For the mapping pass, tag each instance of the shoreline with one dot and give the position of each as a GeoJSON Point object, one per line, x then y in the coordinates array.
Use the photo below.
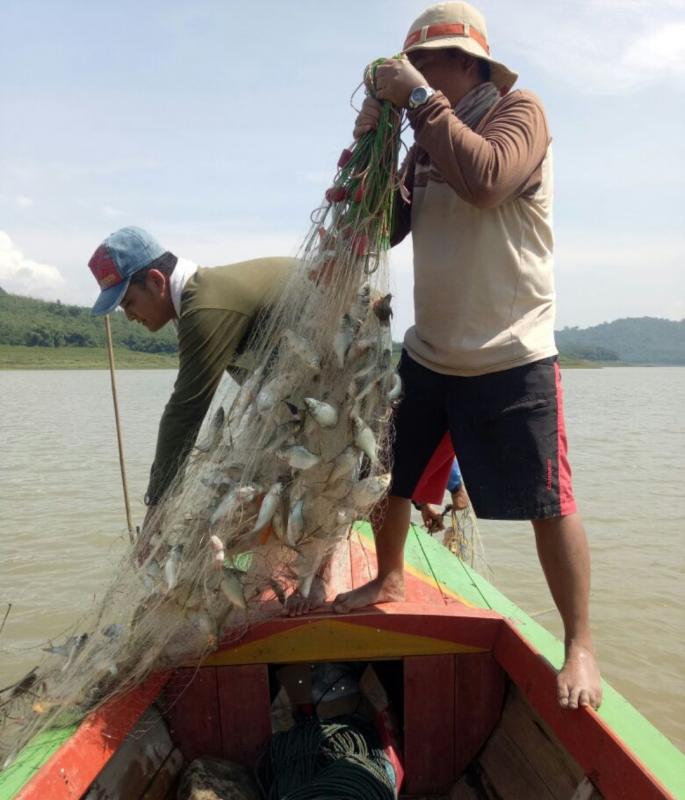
{"type": "Point", "coordinates": [17, 357]}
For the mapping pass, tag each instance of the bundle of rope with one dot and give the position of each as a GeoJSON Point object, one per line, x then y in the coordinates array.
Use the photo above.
{"type": "Point", "coordinates": [315, 760]}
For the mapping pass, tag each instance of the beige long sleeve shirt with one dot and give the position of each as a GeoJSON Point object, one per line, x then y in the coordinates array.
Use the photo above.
{"type": "Point", "coordinates": [481, 224]}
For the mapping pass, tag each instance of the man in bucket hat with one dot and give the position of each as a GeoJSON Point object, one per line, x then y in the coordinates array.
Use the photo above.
{"type": "Point", "coordinates": [481, 362]}
{"type": "Point", "coordinates": [214, 310]}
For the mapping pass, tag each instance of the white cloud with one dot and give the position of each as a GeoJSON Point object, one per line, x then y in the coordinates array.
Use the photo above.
{"type": "Point", "coordinates": [23, 201]}
{"type": "Point", "coordinates": [21, 275]}
{"type": "Point", "coordinates": [111, 212]}
{"type": "Point", "coordinates": [601, 46]}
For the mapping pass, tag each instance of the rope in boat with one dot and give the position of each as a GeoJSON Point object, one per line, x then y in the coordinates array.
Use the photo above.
{"type": "Point", "coordinates": [317, 759]}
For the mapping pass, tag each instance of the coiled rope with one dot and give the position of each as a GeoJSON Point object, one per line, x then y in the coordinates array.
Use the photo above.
{"type": "Point", "coordinates": [334, 760]}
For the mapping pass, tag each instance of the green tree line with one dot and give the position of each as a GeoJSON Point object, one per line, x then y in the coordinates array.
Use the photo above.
{"type": "Point", "coordinates": [38, 323]}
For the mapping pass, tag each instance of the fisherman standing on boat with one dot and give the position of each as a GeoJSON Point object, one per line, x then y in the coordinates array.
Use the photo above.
{"type": "Point", "coordinates": [481, 361]}
{"type": "Point", "coordinates": [215, 312]}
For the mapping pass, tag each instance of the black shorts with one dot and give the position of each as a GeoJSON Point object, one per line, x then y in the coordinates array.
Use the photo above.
{"type": "Point", "coordinates": [506, 428]}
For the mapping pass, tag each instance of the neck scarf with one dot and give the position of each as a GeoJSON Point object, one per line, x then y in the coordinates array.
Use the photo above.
{"type": "Point", "coordinates": [475, 104]}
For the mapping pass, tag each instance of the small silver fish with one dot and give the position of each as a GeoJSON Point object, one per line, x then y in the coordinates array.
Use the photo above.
{"type": "Point", "coordinates": [303, 349]}
{"type": "Point", "coordinates": [232, 588]}
{"type": "Point", "coordinates": [153, 574]}
{"type": "Point", "coordinates": [344, 464]}
{"type": "Point", "coordinates": [343, 339]}
{"type": "Point", "coordinates": [246, 394]}
{"type": "Point", "coordinates": [361, 307]}
{"type": "Point", "coordinates": [325, 414]}
{"type": "Point", "coordinates": [230, 503]}
{"type": "Point", "coordinates": [268, 507]}
{"type": "Point", "coordinates": [369, 491]}
{"type": "Point", "coordinates": [364, 438]}
{"type": "Point", "coordinates": [308, 562]}
{"type": "Point", "coordinates": [274, 391]}
{"type": "Point", "coordinates": [295, 524]}
{"type": "Point", "coordinates": [171, 566]}
{"type": "Point", "coordinates": [72, 646]}
{"type": "Point", "coordinates": [395, 387]}
{"type": "Point", "coordinates": [214, 434]}
{"type": "Point", "coordinates": [298, 457]}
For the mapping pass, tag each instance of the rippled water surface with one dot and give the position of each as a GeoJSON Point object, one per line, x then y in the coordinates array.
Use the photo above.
{"type": "Point", "coordinates": [62, 523]}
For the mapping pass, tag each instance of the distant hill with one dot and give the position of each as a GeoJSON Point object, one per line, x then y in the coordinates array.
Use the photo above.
{"type": "Point", "coordinates": [38, 323]}
{"type": "Point", "coordinates": [633, 340]}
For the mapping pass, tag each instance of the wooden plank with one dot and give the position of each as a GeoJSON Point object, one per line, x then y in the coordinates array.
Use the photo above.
{"type": "Point", "coordinates": [604, 758]}
{"type": "Point", "coordinates": [560, 773]}
{"type": "Point", "coordinates": [479, 696]}
{"type": "Point", "coordinates": [140, 756]}
{"type": "Point", "coordinates": [509, 773]}
{"type": "Point", "coordinates": [244, 711]}
{"type": "Point", "coordinates": [192, 710]}
{"type": "Point", "coordinates": [71, 769]}
{"type": "Point", "coordinates": [165, 779]}
{"type": "Point", "coordinates": [429, 724]}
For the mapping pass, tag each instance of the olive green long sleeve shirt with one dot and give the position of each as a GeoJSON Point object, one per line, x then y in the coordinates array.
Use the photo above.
{"type": "Point", "coordinates": [220, 308]}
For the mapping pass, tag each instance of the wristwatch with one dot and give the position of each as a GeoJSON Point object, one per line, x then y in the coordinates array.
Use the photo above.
{"type": "Point", "coordinates": [419, 96]}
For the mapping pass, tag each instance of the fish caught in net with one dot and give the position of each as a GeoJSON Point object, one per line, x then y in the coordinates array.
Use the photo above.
{"type": "Point", "coordinates": [288, 465]}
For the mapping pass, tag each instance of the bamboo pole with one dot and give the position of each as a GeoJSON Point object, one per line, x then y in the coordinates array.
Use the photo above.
{"type": "Point", "coordinates": [120, 442]}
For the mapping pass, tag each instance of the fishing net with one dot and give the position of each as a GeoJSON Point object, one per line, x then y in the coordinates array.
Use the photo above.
{"type": "Point", "coordinates": [289, 463]}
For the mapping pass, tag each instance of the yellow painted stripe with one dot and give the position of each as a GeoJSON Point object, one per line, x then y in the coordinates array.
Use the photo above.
{"type": "Point", "coordinates": [334, 640]}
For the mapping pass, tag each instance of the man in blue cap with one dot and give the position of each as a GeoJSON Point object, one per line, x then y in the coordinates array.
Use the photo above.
{"type": "Point", "coordinates": [215, 311]}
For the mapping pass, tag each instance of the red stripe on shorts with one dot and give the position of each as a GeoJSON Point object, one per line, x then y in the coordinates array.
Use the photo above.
{"type": "Point", "coordinates": [432, 484]}
{"type": "Point", "coordinates": [567, 503]}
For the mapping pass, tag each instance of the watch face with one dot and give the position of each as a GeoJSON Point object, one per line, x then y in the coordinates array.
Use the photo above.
{"type": "Point", "coordinates": [419, 95]}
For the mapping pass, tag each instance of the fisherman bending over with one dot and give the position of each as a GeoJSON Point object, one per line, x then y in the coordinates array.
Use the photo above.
{"type": "Point", "coordinates": [215, 312]}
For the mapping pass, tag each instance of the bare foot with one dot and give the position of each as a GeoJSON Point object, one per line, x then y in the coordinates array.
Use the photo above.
{"type": "Point", "coordinates": [296, 605]}
{"type": "Point", "coordinates": [578, 682]}
{"type": "Point", "coordinates": [388, 590]}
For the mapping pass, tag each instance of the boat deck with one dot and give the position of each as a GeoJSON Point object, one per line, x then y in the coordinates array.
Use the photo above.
{"type": "Point", "coordinates": [478, 695]}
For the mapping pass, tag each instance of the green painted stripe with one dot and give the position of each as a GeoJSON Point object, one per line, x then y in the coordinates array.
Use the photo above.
{"type": "Point", "coordinates": [31, 759]}
{"type": "Point", "coordinates": [648, 744]}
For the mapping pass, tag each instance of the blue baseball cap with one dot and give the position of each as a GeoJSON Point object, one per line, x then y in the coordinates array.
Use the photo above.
{"type": "Point", "coordinates": [121, 255]}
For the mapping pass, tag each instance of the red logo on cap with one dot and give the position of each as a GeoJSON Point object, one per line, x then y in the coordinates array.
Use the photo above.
{"type": "Point", "coordinates": [104, 269]}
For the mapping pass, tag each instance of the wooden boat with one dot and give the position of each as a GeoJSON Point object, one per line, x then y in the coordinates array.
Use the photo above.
{"type": "Point", "coordinates": [474, 684]}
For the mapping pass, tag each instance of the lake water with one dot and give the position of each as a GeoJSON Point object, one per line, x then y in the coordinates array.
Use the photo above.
{"type": "Point", "coordinates": [63, 527]}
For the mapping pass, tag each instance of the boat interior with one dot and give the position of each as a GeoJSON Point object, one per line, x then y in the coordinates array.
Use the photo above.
{"type": "Point", "coordinates": [459, 700]}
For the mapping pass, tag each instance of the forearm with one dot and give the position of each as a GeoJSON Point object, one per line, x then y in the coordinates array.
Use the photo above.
{"type": "Point", "coordinates": [207, 342]}
{"type": "Point", "coordinates": [177, 433]}
{"type": "Point", "coordinates": [489, 167]}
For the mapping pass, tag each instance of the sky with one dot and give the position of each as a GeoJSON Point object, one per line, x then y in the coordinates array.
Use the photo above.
{"type": "Point", "coordinates": [217, 125]}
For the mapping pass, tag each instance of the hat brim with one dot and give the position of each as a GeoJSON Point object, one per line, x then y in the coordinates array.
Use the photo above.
{"type": "Point", "coordinates": [500, 75]}
{"type": "Point", "coordinates": [110, 298]}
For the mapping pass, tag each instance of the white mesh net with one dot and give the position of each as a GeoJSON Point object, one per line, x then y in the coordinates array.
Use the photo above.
{"type": "Point", "coordinates": [289, 464]}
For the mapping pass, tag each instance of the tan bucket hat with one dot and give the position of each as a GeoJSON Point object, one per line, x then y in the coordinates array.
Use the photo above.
{"type": "Point", "coordinates": [457, 25]}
